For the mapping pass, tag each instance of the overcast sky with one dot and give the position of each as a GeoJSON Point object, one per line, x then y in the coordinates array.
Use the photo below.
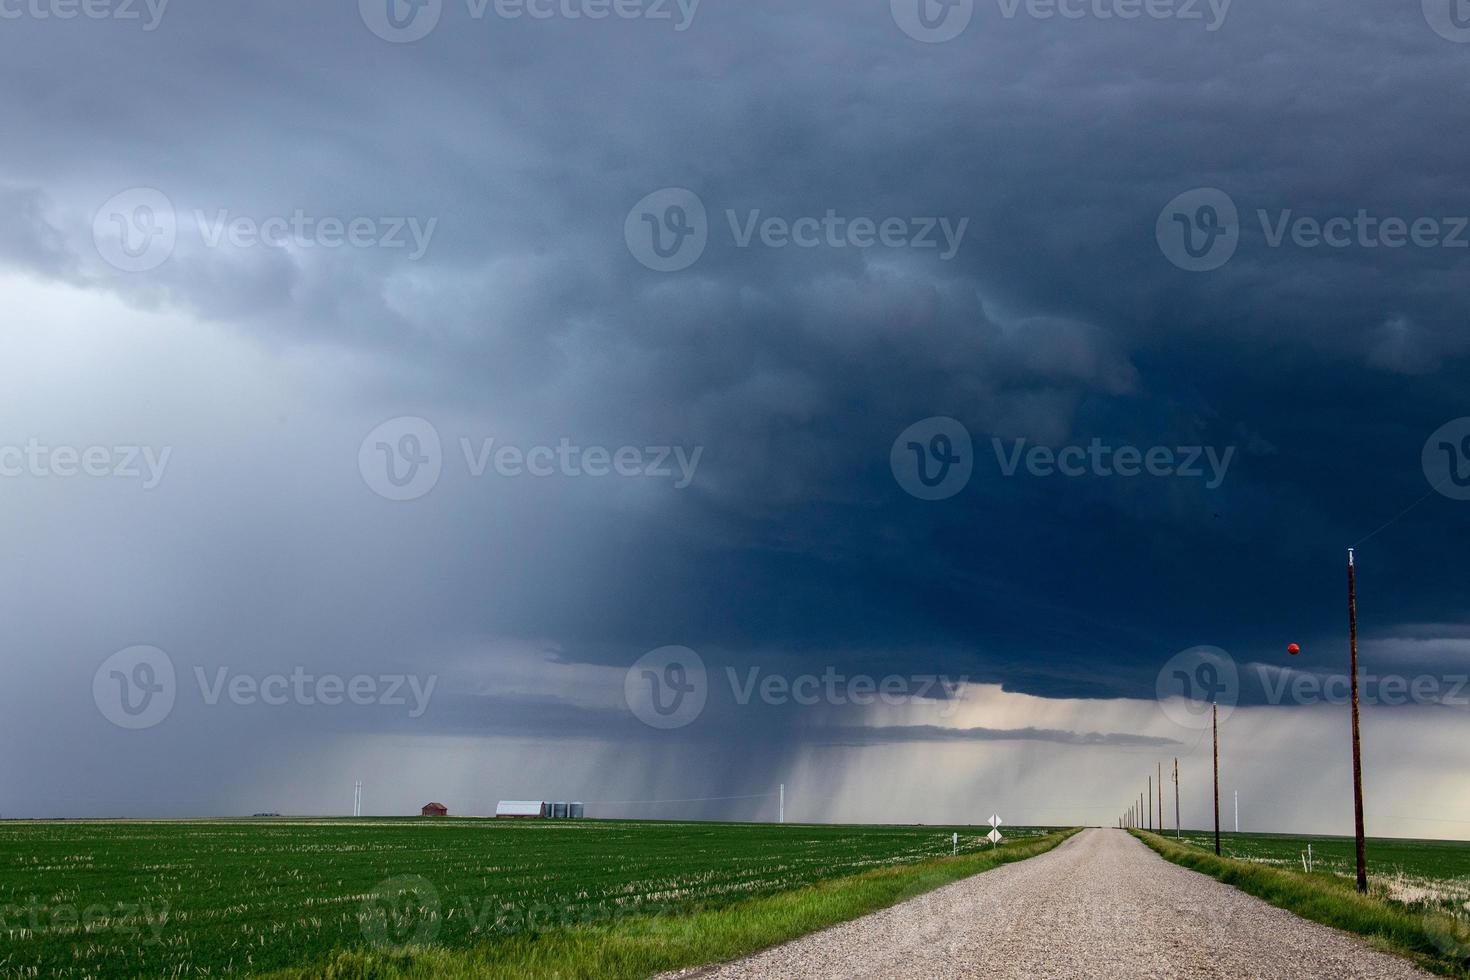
{"type": "Point", "coordinates": [380, 382]}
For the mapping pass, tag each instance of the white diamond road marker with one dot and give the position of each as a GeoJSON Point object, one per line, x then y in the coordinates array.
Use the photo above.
{"type": "Point", "coordinates": [993, 836]}
{"type": "Point", "coordinates": [995, 821]}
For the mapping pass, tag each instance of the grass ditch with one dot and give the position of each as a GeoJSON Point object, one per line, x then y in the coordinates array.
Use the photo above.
{"type": "Point", "coordinates": [1430, 937]}
{"type": "Point", "coordinates": [643, 946]}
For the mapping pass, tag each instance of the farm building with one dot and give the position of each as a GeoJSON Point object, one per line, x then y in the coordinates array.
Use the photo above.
{"type": "Point", "coordinates": [434, 810]}
{"type": "Point", "coordinates": [538, 809]}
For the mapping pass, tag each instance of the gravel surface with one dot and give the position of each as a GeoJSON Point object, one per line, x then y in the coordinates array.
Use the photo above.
{"type": "Point", "coordinates": [1100, 905]}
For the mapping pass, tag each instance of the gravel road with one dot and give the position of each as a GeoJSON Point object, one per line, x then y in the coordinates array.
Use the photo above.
{"type": "Point", "coordinates": [1100, 905]}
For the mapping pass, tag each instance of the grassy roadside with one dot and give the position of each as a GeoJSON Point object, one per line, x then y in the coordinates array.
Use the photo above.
{"type": "Point", "coordinates": [643, 946]}
{"type": "Point", "coordinates": [1432, 939]}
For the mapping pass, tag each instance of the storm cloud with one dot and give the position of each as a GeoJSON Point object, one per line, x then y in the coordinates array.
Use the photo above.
{"type": "Point", "coordinates": [358, 228]}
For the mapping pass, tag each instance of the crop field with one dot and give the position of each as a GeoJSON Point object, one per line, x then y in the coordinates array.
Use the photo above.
{"type": "Point", "coordinates": [219, 898]}
{"type": "Point", "coordinates": [1423, 873]}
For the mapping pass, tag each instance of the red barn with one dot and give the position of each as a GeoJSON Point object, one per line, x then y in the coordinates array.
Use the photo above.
{"type": "Point", "coordinates": [434, 810]}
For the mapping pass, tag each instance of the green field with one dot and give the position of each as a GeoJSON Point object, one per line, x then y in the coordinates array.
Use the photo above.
{"type": "Point", "coordinates": [156, 899]}
{"type": "Point", "coordinates": [1420, 873]}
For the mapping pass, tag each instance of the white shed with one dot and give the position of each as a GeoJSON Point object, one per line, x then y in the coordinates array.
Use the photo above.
{"type": "Point", "coordinates": [522, 808]}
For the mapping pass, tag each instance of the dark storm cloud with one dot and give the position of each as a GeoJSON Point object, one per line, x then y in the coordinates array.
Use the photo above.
{"type": "Point", "coordinates": [1059, 320]}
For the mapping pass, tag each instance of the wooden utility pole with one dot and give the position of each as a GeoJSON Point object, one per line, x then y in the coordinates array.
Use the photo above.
{"type": "Point", "coordinates": [1215, 727]}
{"type": "Point", "coordinates": [1357, 741]}
{"type": "Point", "coordinates": [1161, 797]}
{"type": "Point", "coordinates": [1178, 827]}
{"type": "Point", "coordinates": [1150, 798]}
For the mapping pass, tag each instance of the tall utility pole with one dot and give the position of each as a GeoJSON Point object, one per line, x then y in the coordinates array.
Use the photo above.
{"type": "Point", "coordinates": [1161, 797]}
{"type": "Point", "coordinates": [1150, 798]}
{"type": "Point", "coordinates": [781, 813]}
{"type": "Point", "coordinates": [1237, 811]}
{"type": "Point", "coordinates": [1178, 827]}
{"type": "Point", "coordinates": [1215, 727]}
{"type": "Point", "coordinates": [1357, 740]}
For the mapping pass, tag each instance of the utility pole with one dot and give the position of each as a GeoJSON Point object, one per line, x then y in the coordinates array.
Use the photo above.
{"type": "Point", "coordinates": [1150, 799]}
{"type": "Point", "coordinates": [1161, 797]}
{"type": "Point", "coordinates": [1357, 740]}
{"type": "Point", "coordinates": [781, 812]}
{"type": "Point", "coordinates": [1178, 826]}
{"type": "Point", "coordinates": [1237, 811]}
{"type": "Point", "coordinates": [1215, 727]}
